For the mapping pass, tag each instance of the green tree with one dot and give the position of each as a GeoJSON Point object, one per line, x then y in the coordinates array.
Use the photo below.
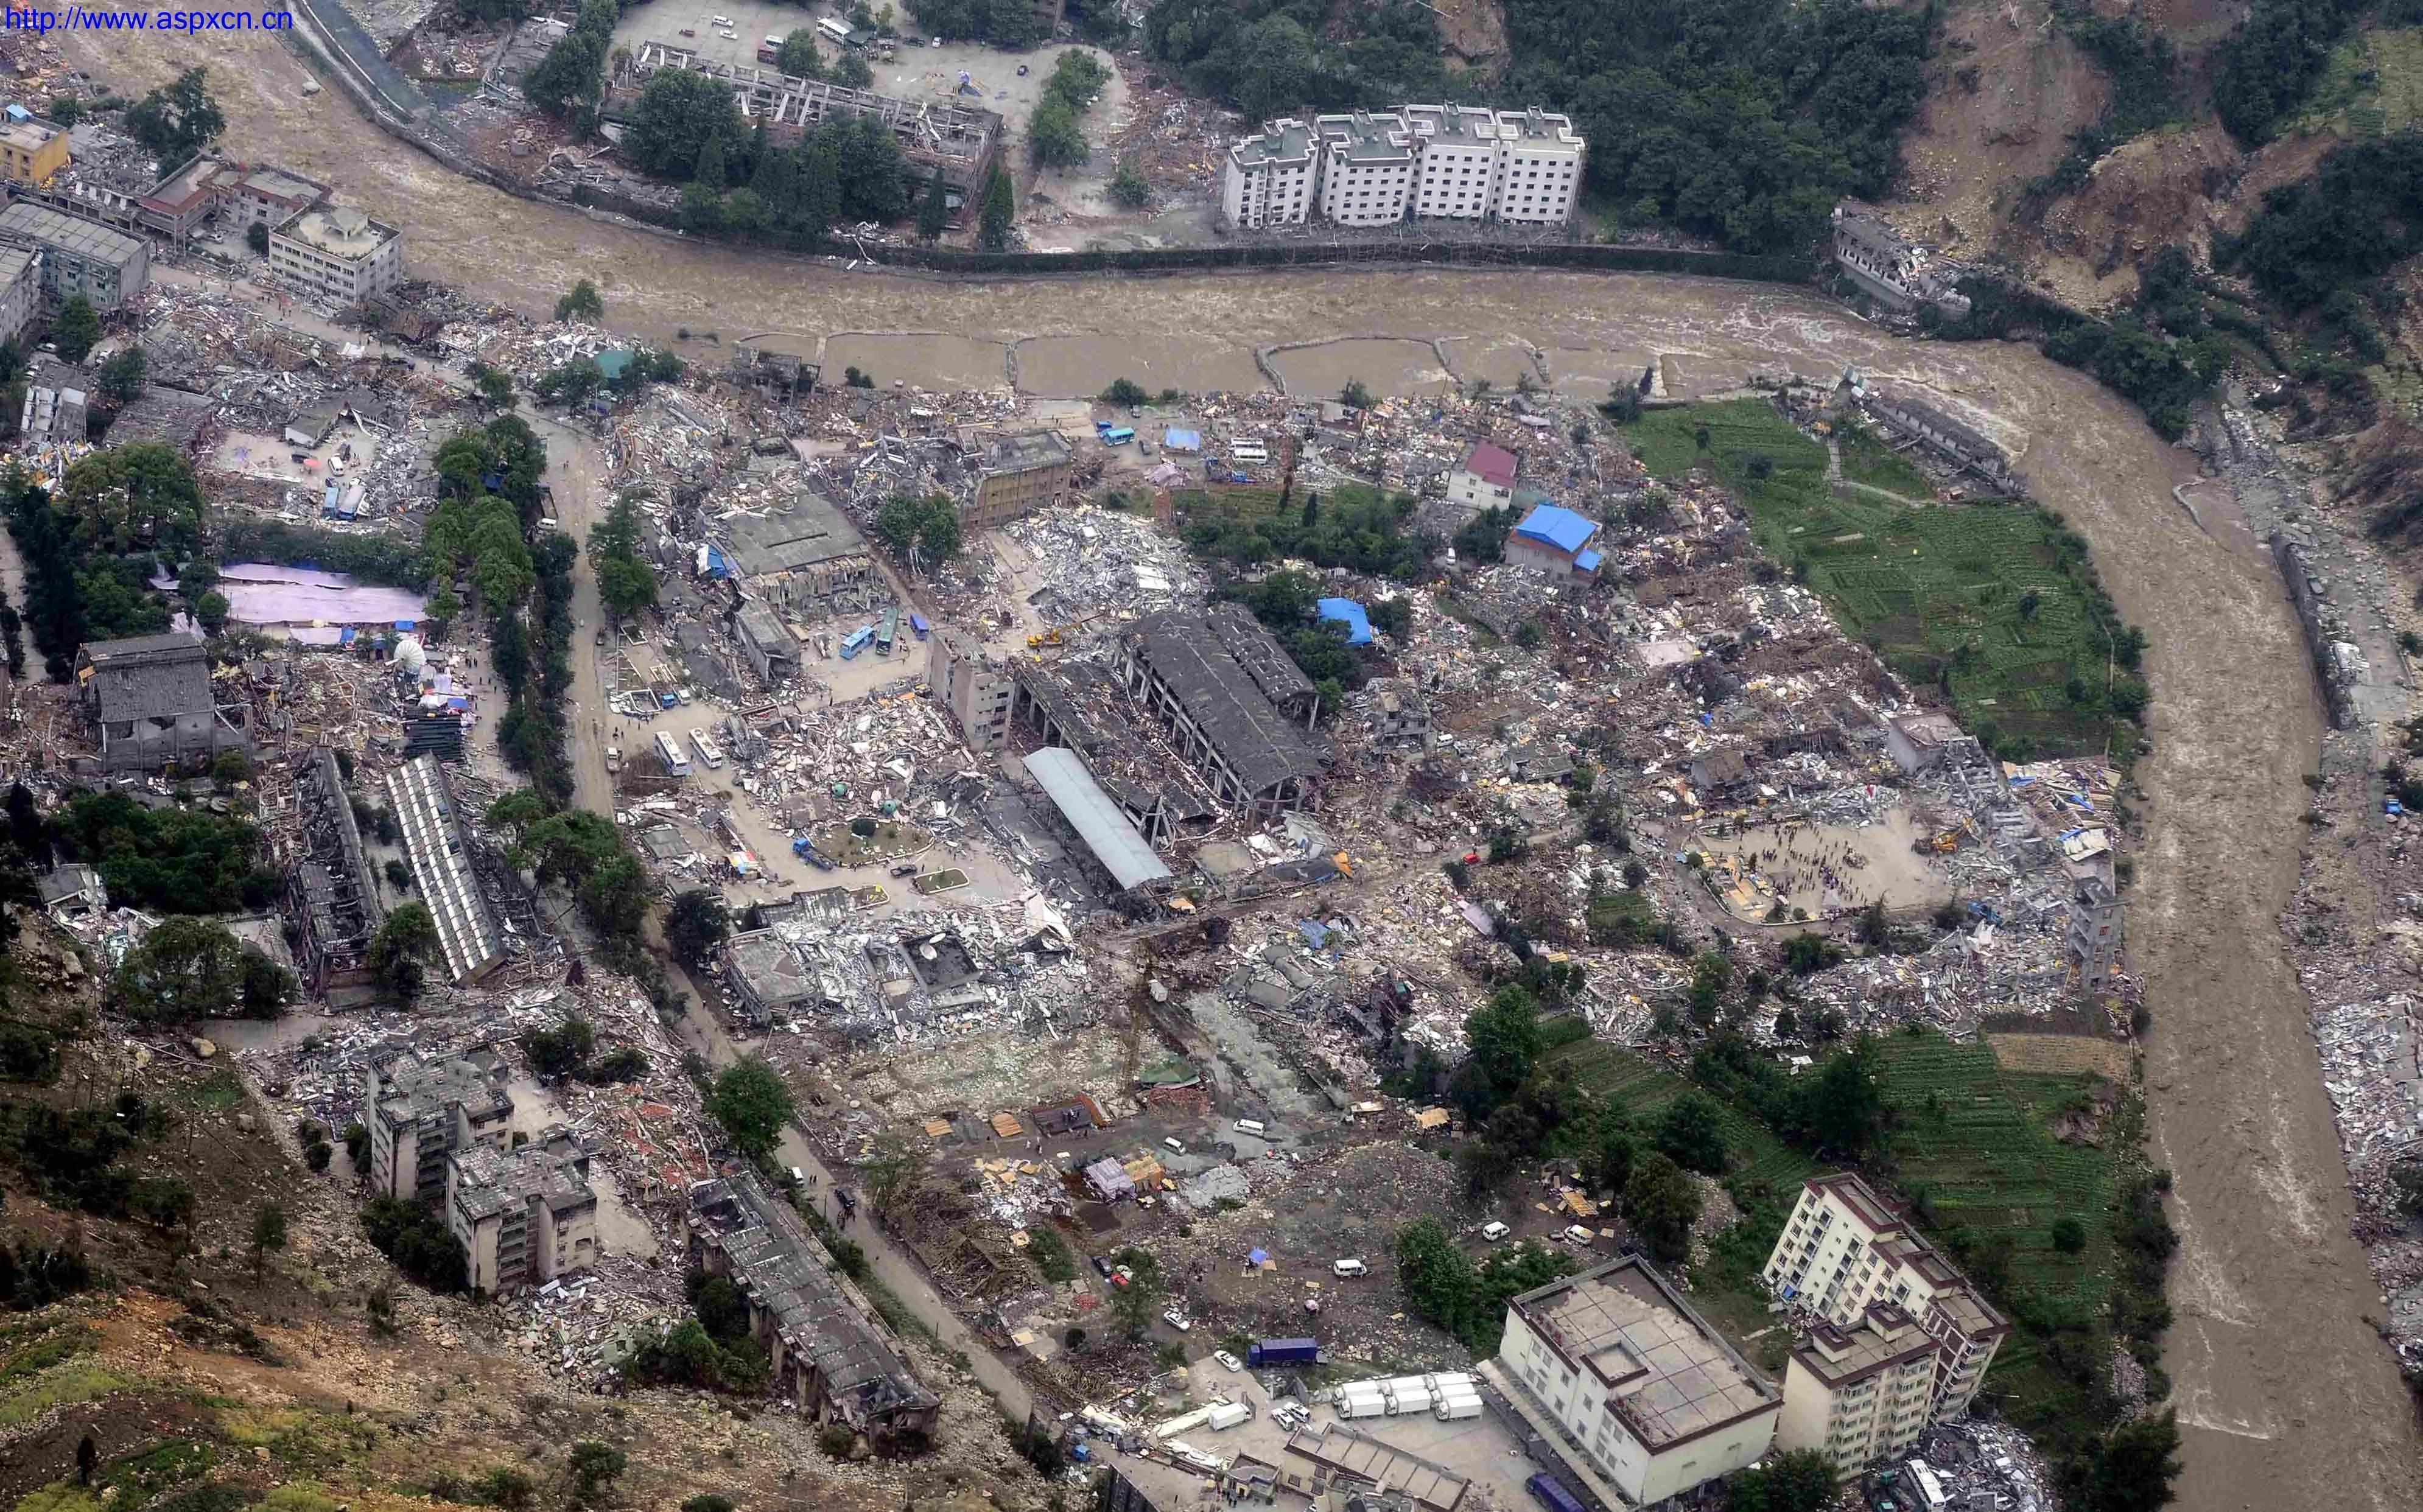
{"type": "Point", "coordinates": [892, 1171]}
{"type": "Point", "coordinates": [933, 211]}
{"type": "Point", "coordinates": [797, 55]}
{"type": "Point", "coordinates": [268, 1232]}
{"type": "Point", "coordinates": [1355, 396]}
{"type": "Point", "coordinates": [695, 924]}
{"type": "Point", "coordinates": [1841, 1106]}
{"type": "Point", "coordinates": [1794, 1480]}
{"type": "Point", "coordinates": [596, 1468]}
{"type": "Point", "coordinates": [1691, 1134]}
{"type": "Point", "coordinates": [255, 236]}
{"type": "Point", "coordinates": [494, 384]}
{"type": "Point", "coordinates": [177, 121]}
{"type": "Point", "coordinates": [561, 1052]}
{"type": "Point", "coordinates": [1661, 1205]}
{"type": "Point", "coordinates": [405, 941]}
{"type": "Point", "coordinates": [1128, 189]}
{"type": "Point", "coordinates": [121, 377]}
{"type": "Point", "coordinates": [752, 1104]}
{"type": "Point", "coordinates": [188, 969]}
{"type": "Point", "coordinates": [570, 79]}
{"type": "Point", "coordinates": [76, 329]}
{"type": "Point", "coordinates": [141, 497]}
{"type": "Point", "coordinates": [626, 583]}
{"type": "Point", "coordinates": [997, 213]}
{"type": "Point", "coordinates": [678, 114]}
{"type": "Point", "coordinates": [1437, 1277]}
{"type": "Point", "coordinates": [1054, 136]}
{"type": "Point", "coordinates": [2133, 1467]}
{"type": "Point", "coordinates": [582, 303]}
{"type": "Point", "coordinates": [1506, 1038]}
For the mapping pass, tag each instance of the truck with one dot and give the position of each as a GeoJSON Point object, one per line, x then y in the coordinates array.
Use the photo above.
{"type": "Point", "coordinates": [1456, 1409]}
{"type": "Point", "coordinates": [670, 752]}
{"type": "Point", "coordinates": [858, 642]}
{"type": "Point", "coordinates": [1361, 1399]}
{"type": "Point", "coordinates": [1550, 1492]}
{"type": "Point", "coordinates": [1229, 1415]}
{"type": "Point", "coordinates": [1406, 1395]}
{"type": "Point", "coordinates": [1283, 1352]}
{"type": "Point", "coordinates": [805, 849]}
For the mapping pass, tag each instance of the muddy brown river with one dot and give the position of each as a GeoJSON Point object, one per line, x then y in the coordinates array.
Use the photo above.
{"type": "Point", "coordinates": [2285, 1397]}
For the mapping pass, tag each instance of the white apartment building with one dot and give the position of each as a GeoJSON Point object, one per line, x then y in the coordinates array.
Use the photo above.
{"type": "Point", "coordinates": [1269, 178]}
{"type": "Point", "coordinates": [1539, 168]}
{"type": "Point", "coordinates": [339, 254]}
{"type": "Point", "coordinates": [1847, 1249]}
{"type": "Point", "coordinates": [524, 1217]}
{"type": "Point", "coordinates": [1459, 169]}
{"type": "Point", "coordinates": [1614, 1365]}
{"type": "Point", "coordinates": [1366, 168]}
{"type": "Point", "coordinates": [1859, 1394]}
{"type": "Point", "coordinates": [1428, 162]}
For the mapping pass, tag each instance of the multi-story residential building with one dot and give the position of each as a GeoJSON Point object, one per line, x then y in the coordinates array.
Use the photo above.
{"type": "Point", "coordinates": [32, 151]}
{"type": "Point", "coordinates": [1366, 168]}
{"type": "Point", "coordinates": [1269, 178]}
{"type": "Point", "coordinates": [2094, 929]}
{"type": "Point", "coordinates": [420, 1112]}
{"type": "Point", "coordinates": [978, 689]}
{"type": "Point", "coordinates": [21, 290]}
{"type": "Point", "coordinates": [1430, 161]}
{"type": "Point", "coordinates": [338, 254]}
{"type": "Point", "coordinates": [1019, 473]}
{"type": "Point", "coordinates": [1539, 168]}
{"type": "Point", "coordinates": [524, 1217]}
{"type": "Point", "coordinates": [79, 255]}
{"type": "Point", "coordinates": [1486, 479]}
{"type": "Point", "coordinates": [1847, 1249]}
{"type": "Point", "coordinates": [1862, 1394]}
{"type": "Point", "coordinates": [1896, 271]}
{"type": "Point", "coordinates": [1637, 1389]}
{"type": "Point", "coordinates": [270, 196]}
{"type": "Point", "coordinates": [1459, 167]}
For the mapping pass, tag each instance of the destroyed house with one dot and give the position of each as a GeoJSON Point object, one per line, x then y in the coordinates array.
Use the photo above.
{"type": "Point", "coordinates": [769, 647]}
{"type": "Point", "coordinates": [332, 899]}
{"type": "Point", "coordinates": [420, 1111]}
{"type": "Point", "coordinates": [828, 1358]}
{"type": "Point", "coordinates": [152, 699]}
{"type": "Point", "coordinates": [805, 556]}
{"type": "Point", "coordinates": [1230, 696]}
{"type": "Point", "coordinates": [960, 140]}
{"type": "Point", "coordinates": [1080, 705]}
{"type": "Point", "coordinates": [1957, 445]}
{"type": "Point", "coordinates": [525, 1216]}
{"type": "Point", "coordinates": [435, 842]}
{"type": "Point", "coordinates": [768, 978]}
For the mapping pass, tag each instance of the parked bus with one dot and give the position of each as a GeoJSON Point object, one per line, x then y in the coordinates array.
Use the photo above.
{"type": "Point", "coordinates": [890, 632]}
{"type": "Point", "coordinates": [670, 750]}
{"type": "Point", "coordinates": [1248, 451]}
{"type": "Point", "coordinates": [859, 640]}
{"type": "Point", "coordinates": [917, 625]}
{"type": "Point", "coordinates": [1119, 435]}
{"type": "Point", "coordinates": [1550, 1492]}
{"type": "Point", "coordinates": [835, 32]}
{"type": "Point", "coordinates": [707, 751]}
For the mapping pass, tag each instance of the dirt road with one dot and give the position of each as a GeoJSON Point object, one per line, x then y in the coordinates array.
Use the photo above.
{"type": "Point", "coordinates": [2286, 1396]}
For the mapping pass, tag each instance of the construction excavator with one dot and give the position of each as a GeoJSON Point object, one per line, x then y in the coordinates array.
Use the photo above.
{"type": "Point", "coordinates": [1060, 635]}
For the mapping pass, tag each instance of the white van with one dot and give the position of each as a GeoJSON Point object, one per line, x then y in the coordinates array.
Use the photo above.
{"type": "Point", "coordinates": [1493, 1232]}
{"type": "Point", "coordinates": [1251, 1125]}
{"type": "Point", "coordinates": [1349, 1268]}
{"type": "Point", "coordinates": [1579, 1235]}
{"type": "Point", "coordinates": [1175, 1147]}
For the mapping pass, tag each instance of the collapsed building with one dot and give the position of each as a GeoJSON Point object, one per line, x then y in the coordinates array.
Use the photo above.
{"type": "Point", "coordinates": [961, 141]}
{"type": "Point", "coordinates": [1230, 693]}
{"type": "Point", "coordinates": [152, 699]}
{"type": "Point", "coordinates": [1889, 267]}
{"type": "Point", "coordinates": [332, 898]}
{"type": "Point", "coordinates": [439, 850]}
{"type": "Point", "coordinates": [420, 1111]}
{"type": "Point", "coordinates": [829, 1360]}
{"type": "Point", "coordinates": [806, 558]}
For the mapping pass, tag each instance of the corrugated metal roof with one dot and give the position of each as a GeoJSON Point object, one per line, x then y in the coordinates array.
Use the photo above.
{"type": "Point", "coordinates": [1560, 528]}
{"type": "Point", "coordinates": [1097, 819]}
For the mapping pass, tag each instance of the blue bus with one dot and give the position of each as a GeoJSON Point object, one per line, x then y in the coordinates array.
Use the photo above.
{"type": "Point", "coordinates": [1119, 435]}
{"type": "Point", "coordinates": [1550, 1492]}
{"type": "Point", "coordinates": [858, 642]}
{"type": "Point", "coordinates": [917, 623]}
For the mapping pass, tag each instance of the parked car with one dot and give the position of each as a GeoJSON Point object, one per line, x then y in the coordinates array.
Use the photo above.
{"type": "Point", "coordinates": [1229, 1359]}
{"type": "Point", "coordinates": [1175, 1319]}
{"type": "Point", "coordinates": [1349, 1268]}
{"type": "Point", "coordinates": [905, 869]}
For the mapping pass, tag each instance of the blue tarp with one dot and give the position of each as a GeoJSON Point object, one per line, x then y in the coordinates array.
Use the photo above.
{"type": "Point", "coordinates": [1587, 562]}
{"type": "Point", "coordinates": [1314, 933]}
{"type": "Point", "coordinates": [717, 562]}
{"type": "Point", "coordinates": [1176, 439]}
{"type": "Point", "coordinates": [1350, 614]}
{"type": "Point", "coordinates": [1560, 528]}
{"type": "Point", "coordinates": [1258, 1257]}
{"type": "Point", "coordinates": [615, 363]}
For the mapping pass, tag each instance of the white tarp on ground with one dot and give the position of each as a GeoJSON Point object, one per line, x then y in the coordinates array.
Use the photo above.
{"type": "Point", "coordinates": [259, 594]}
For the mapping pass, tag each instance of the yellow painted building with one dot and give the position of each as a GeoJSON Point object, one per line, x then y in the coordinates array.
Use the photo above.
{"type": "Point", "coordinates": [32, 151]}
